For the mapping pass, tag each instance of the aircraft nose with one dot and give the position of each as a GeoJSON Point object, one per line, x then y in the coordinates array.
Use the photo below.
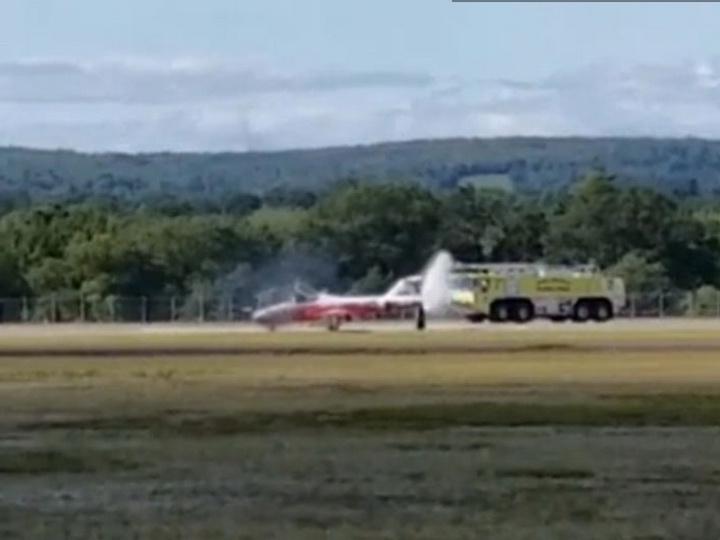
{"type": "Point", "coordinates": [261, 316]}
{"type": "Point", "coordinates": [269, 315]}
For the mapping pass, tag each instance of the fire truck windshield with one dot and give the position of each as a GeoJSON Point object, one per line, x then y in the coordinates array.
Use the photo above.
{"type": "Point", "coordinates": [463, 282]}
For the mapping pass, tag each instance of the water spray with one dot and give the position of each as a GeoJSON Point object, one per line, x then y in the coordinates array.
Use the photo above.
{"type": "Point", "coordinates": [435, 291]}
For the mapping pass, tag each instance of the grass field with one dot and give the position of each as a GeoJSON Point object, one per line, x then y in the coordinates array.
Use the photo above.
{"type": "Point", "coordinates": [361, 435]}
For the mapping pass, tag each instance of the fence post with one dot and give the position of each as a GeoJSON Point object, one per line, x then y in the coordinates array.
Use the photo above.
{"type": "Point", "coordinates": [82, 308]}
{"type": "Point", "coordinates": [633, 306]}
{"type": "Point", "coordinates": [202, 307]}
{"type": "Point", "coordinates": [143, 315]}
{"type": "Point", "coordinates": [173, 314]}
{"type": "Point", "coordinates": [661, 306]}
{"type": "Point", "coordinates": [25, 310]}
{"type": "Point", "coordinates": [230, 310]}
{"type": "Point", "coordinates": [53, 308]}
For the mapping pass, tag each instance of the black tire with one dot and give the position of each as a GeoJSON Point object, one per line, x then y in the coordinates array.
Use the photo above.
{"type": "Point", "coordinates": [582, 312]}
{"type": "Point", "coordinates": [500, 311]}
{"type": "Point", "coordinates": [602, 310]}
{"type": "Point", "coordinates": [475, 318]}
{"type": "Point", "coordinates": [523, 311]}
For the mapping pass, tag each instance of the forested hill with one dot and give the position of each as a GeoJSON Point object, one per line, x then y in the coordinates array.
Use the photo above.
{"type": "Point", "coordinates": [525, 164]}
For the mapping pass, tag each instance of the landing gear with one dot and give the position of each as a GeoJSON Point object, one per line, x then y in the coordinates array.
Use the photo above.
{"type": "Point", "coordinates": [333, 323]}
{"type": "Point", "coordinates": [420, 321]}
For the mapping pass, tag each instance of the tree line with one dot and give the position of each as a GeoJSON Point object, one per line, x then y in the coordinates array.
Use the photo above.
{"type": "Point", "coordinates": [357, 236]}
{"type": "Point", "coordinates": [530, 165]}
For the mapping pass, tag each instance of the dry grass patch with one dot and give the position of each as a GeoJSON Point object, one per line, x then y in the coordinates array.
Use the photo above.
{"type": "Point", "coordinates": [237, 394]}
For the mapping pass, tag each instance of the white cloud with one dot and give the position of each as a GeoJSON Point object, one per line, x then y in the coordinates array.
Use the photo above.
{"type": "Point", "coordinates": [180, 81]}
{"type": "Point", "coordinates": [193, 104]}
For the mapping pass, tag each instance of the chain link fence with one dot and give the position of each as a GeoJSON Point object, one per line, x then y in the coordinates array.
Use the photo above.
{"type": "Point", "coordinates": [199, 308]}
{"type": "Point", "coordinates": [77, 308]}
{"type": "Point", "coordinates": [702, 303]}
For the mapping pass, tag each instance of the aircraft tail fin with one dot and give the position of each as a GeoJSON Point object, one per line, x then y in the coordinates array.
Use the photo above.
{"type": "Point", "coordinates": [408, 286]}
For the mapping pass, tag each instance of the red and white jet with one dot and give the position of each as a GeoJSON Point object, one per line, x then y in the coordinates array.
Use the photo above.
{"type": "Point", "coordinates": [425, 293]}
{"type": "Point", "coordinates": [309, 306]}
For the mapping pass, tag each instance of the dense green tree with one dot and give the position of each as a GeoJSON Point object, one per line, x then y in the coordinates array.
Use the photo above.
{"type": "Point", "coordinates": [640, 274]}
{"type": "Point", "coordinates": [13, 284]}
{"type": "Point", "coordinates": [474, 222]}
{"type": "Point", "coordinates": [690, 255]}
{"type": "Point", "coordinates": [583, 227]}
{"type": "Point", "coordinates": [391, 227]}
{"type": "Point", "coordinates": [352, 235]}
{"type": "Point", "coordinates": [237, 182]}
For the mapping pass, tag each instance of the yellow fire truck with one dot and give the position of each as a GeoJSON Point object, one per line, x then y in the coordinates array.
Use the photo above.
{"type": "Point", "coordinates": [520, 292]}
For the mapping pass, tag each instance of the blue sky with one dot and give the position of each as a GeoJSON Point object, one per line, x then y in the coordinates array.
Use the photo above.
{"type": "Point", "coordinates": [233, 74]}
{"type": "Point", "coordinates": [494, 40]}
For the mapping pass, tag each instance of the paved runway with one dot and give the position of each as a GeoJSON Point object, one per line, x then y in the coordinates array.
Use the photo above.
{"type": "Point", "coordinates": [619, 325]}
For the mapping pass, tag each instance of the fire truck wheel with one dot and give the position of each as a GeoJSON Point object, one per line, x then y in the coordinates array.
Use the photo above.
{"type": "Point", "coordinates": [582, 312]}
{"type": "Point", "coordinates": [523, 311]}
{"type": "Point", "coordinates": [602, 311]}
{"type": "Point", "coordinates": [500, 312]}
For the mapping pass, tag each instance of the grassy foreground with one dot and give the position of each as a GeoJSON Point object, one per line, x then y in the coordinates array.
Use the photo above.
{"type": "Point", "coordinates": [541, 443]}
